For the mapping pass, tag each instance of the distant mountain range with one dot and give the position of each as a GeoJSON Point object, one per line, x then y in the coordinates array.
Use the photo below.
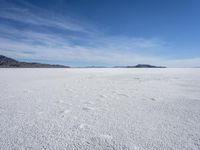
{"type": "Point", "coordinates": [145, 66]}
{"type": "Point", "coordinates": [140, 66]}
{"type": "Point", "coordinates": [6, 62]}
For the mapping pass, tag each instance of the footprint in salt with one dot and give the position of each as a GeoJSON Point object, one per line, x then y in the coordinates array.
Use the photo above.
{"type": "Point", "coordinates": [102, 96]}
{"type": "Point", "coordinates": [89, 103]}
{"type": "Point", "coordinates": [153, 99]}
{"type": "Point", "coordinates": [65, 112]}
{"type": "Point", "coordinates": [84, 126]}
{"type": "Point", "coordinates": [87, 108]}
{"type": "Point", "coordinates": [124, 95]}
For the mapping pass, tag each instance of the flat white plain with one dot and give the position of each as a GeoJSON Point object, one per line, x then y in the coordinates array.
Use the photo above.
{"type": "Point", "coordinates": [141, 109]}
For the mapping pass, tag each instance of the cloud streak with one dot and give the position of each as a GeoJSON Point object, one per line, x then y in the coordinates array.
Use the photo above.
{"type": "Point", "coordinates": [39, 17]}
{"type": "Point", "coordinates": [78, 42]}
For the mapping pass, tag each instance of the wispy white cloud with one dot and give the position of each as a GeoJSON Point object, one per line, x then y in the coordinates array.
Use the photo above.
{"type": "Point", "coordinates": [48, 46]}
{"type": "Point", "coordinates": [65, 52]}
{"type": "Point", "coordinates": [92, 48]}
{"type": "Point", "coordinates": [36, 16]}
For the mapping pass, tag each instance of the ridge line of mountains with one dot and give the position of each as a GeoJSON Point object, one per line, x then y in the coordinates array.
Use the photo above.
{"type": "Point", "coordinates": [6, 62]}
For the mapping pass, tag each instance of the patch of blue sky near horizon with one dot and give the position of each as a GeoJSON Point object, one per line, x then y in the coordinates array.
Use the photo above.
{"type": "Point", "coordinates": [31, 32]}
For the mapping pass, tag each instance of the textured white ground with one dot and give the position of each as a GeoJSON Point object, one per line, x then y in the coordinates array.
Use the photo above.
{"type": "Point", "coordinates": [89, 109]}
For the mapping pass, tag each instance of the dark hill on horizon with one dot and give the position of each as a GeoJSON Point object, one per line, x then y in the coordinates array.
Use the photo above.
{"type": "Point", "coordinates": [145, 66]}
{"type": "Point", "coordinates": [141, 66]}
{"type": "Point", "coordinates": [6, 62]}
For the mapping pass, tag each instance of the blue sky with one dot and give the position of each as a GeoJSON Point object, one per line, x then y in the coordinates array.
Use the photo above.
{"type": "Point", "coordinates": [102, 32]}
